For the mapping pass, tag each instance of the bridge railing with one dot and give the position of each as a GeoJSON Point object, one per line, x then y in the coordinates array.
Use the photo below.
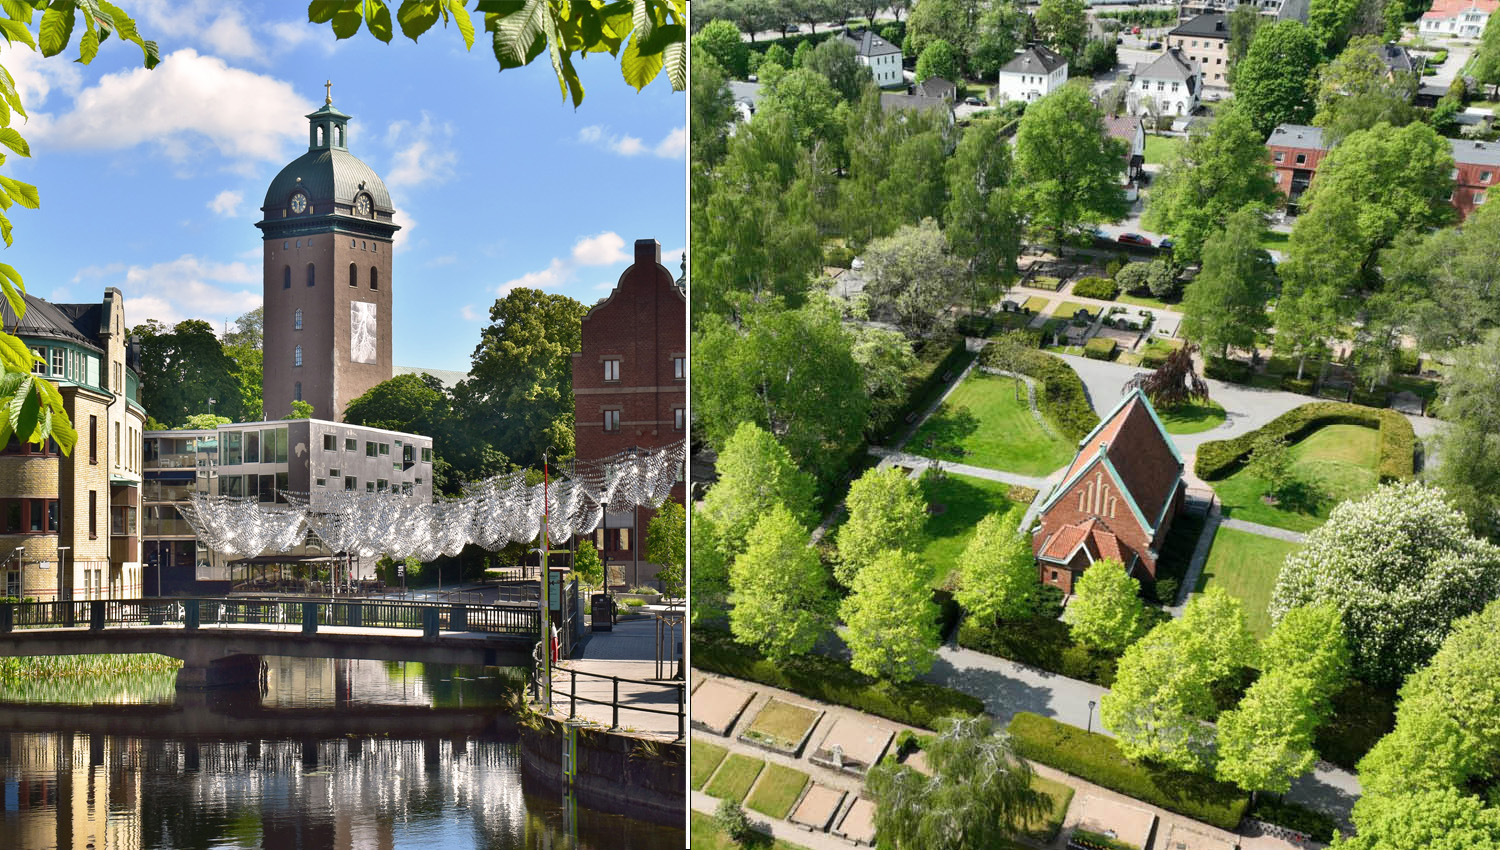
{"type": "Point", "coordinates": [193, 613]}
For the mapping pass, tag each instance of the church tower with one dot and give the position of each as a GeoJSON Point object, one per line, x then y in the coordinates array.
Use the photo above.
{"type": "Point", "coordinates": [327, 228]}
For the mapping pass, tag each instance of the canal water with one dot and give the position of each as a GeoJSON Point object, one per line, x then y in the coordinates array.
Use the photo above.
{"type": "Point", "coordinates": [343, 755]}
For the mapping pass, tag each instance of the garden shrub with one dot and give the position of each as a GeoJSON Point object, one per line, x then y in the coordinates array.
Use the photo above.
{"type": "Point", "coordinates": [1398, 442]}
{"type": "Point", "coordinates": [838, 256]}
{"type": "Point", "coordinates": [948, 612]}
{"type": "Point", "coordinates": [1314, 824]}
{"type": "Point", "coordinates": [1100, 348]}
{"type": "Point", "coordinates": [1112, 268]}
{"type": "Point", "coordinates": [1096, 287]}
{"type": "Point", "coordinates": [1096, 758]}
{"type": "Point", "coordinates": [937, 358]}
{"type": "Point", "coordinates": [1223, 369]}
{"type": "Point", "coordinates": [1163, 591]}
{"type": "Point", "coordinates": [1291, 383]}
{"type": "Point", "coordinates": [1153, 358]}
{"type": "Point", "coordinates": [822, 678]}
{"type": "Point", "coordinates": [1043, 642]}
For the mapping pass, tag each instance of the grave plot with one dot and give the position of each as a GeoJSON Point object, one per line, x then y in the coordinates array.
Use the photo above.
{"type": "Point", "coordinates": [780, 727]}
{"type": "Point", "coordinates": [853, 745]}
{"type": "Point", "coordinates": [717, 706]}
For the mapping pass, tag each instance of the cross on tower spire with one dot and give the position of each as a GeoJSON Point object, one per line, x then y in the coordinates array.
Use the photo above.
{"type": "Point", "coordinates": [328, 95]}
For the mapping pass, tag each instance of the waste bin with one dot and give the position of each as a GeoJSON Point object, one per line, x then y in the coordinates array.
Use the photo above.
{"type": "Point", "coordinates": [603, 617]}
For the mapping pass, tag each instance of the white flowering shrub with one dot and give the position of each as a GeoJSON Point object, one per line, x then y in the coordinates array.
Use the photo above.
{"type": "Point", "coordinates": [1400, 566]}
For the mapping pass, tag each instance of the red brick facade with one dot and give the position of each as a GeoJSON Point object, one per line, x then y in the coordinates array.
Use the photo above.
{"type": "Point", "coordinates": [1475, 179]}
{"type": "Point", "coordinates": [1117, 500]}
{"type": "Point", "coordinates": [630, 386]}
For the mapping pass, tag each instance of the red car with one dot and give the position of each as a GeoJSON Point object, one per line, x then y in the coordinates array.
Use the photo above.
{"type": "Point", "coordinates": [1135, 31]}
{"type": "Point", "coordinates": [1134, 239]}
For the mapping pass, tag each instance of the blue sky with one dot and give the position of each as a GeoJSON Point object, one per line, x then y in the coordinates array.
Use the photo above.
{"type": "Point", "coordinates": [152, 180]}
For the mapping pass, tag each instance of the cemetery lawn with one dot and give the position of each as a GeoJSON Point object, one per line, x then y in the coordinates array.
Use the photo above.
{"type": "Point", "coordinates": [1193, 418]}
{"type": "Point", "coordinates": [965, 502]}
{"type": "Point", "coordinates": [983, 424]}
{"type": "Point", "coordinates": [1036, 303]}
{"type": "Point", "coordinates": [1246, 566]}
{"type": "Point", "coordinates": [1335, 463]}
{"type": "Point", "coordinates": [709, 837]}
{"type": "Point", "coordinates": [1045, 828]}
{"type": "Point", "coordinates": [1069, 309]}
{"type": "Point", "coordinates": [706, 758]}
{"type": "Point", "coordinates": [734, 778]}
{"type": "Point", "coordinates": [777, 791]}
{"type": "Point", "coordinates": [783, 723]}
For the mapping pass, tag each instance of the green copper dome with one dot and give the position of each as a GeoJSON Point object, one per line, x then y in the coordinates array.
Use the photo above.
{"type": "Point", "coordinates": [327, 173]}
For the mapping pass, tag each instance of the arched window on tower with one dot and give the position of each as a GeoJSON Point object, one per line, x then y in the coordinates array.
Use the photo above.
{"type": "Point", "coordinates": [297, 391]}
{"type": "Point", "coordinates": [297, 319]}
{"type": "Point", "coordinates": [338, 135]}
{"type": "Point", "coordinates": [374, 278]}
{"type": "Point", "coordinates": [320, 137]}
{"type": "Point", "coordinates": [311, 275]}
{"type": "Point", "coordinates": [353, 275]}
{"type": "Point", "coordinates": [297, 356]}
{"type": "Point", "coordinates": [286, 278]}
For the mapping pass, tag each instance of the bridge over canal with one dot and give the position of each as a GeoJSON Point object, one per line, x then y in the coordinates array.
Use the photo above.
{"type": "Point", "coordinates": [221, 639]}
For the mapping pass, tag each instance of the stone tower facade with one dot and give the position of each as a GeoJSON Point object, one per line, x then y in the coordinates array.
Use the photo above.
{"type": "Point", "coordinates": [327, 225]}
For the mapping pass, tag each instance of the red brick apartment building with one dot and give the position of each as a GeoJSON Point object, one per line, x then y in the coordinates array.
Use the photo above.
{"type": "Point", "coordinates": [630, 390]}
{"type": "Point", "coordinates": [1117, 500]}
{"type": "Point", "coordinates": [1296, 152]}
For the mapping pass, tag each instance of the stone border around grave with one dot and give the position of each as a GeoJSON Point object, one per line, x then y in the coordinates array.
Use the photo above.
{"type": "Point", "coordinates": [735, 718]}
{"type": "Point", "coordinates": [795, 751]}
{"type": "Point", "coordinates": [817, 758]}
{"type": "Point", "coordinates": [838, 806]}
{"type": "Point", "coordinates": [839, 830]}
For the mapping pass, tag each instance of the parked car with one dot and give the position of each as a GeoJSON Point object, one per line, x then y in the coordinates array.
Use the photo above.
{"type": "Point", "coordinates": [1100, 235]}
{"type": "Point", "coordinates": [1134, 239]}
{"type": "Point", "coordinates": [1135, 30]}
{"type": "Point", "coordinates": [971, 100]}
{"type": "Point", "coordinates": [1155, 45]}
{"type": "Point", "coordinates": [1166, 243]}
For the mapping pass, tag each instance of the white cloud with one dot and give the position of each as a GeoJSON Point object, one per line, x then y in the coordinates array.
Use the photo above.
{"type": "Point", "coordinates": [36, 77]}
{"type": "Point", "coordinates": [422, 155]}
{"type": "Point", "coordinates": [470, 314]}
{"type": "Point", "coordinates": [227, 203]}
{"type": "Point", "coordinates": [185, 288]}
{"type": "Point", "coordinates": [187, 106]}
{"type": "Point", "coordinates": [402, 240]}
{"type": "Point", "coordinates": [444, 260]}
{"type": "Point", "coordinates": [672, 146]}
{"type": "Point", "coordinates": [603, 250]}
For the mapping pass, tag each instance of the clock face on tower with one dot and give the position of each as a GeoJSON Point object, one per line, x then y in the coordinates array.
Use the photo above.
{"type": "Point", "coordinates": [362, 205]}
{"type": "Point", "coordinates": [299, 203]}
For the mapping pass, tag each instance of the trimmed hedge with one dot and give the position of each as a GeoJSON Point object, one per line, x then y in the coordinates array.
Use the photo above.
{"type": "Point", "coordinates": [1232, 371]}
{"type": "Point", "coordinates": [828, 680]}
{"type": "Point", "coordinates": [924, 383]}
{"type": "Point", "coordinates": [1100, 348]}
{"type": "Point", "coordinates": [1398, 442]}
{"type": "Point", "coordinates": [1043, 642]}
{"type": "Point", "coordinates": [1291, 383]}
{"type": "Point", "coordinates": [1060, 394]}
{"type": "Point", "coordinates": [1096, 287]}
{"type": "Point", "coordinates": [1095, 757]}
{"type": "Point", "coordinates": [1315, 824]}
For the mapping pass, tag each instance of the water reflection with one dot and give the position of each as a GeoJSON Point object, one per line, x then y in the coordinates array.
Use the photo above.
{"type": "Point", "coordinates": [443, 770]}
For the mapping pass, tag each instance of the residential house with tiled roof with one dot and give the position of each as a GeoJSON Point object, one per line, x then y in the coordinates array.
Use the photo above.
{"type": "Point", "coordinates": [1117, 499]}
{"type": "Point", "coordinates": [1458, 18]}
{"type": "Point", "coordinates": [880, 56]}
{"type": "Point", "coordinates": [1205, 39]}
{"type": "Point", "coordinates": [1033, 74]}
{"type": "Point", "coordinates": [1172, 84]}
{"type": "Point", "coordinates": [1128, 129]}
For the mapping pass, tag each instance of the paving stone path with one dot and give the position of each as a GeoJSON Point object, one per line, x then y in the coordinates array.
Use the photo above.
{"type": "Point", "coordinates": [1266, 530]}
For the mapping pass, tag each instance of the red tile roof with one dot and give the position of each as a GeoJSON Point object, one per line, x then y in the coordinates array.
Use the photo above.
{"type": "Point", "coordinates": [1139, 452]}
{"type": "Point", "coordinates": [1102, 543]}
{"type": "Point", "coordinates": [1452, 8]}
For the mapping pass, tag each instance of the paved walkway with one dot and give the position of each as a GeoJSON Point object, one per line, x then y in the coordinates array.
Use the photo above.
{"type": "Point", "coordinates": [908, 459]}
{"type": "Point", "coordinates": [627, 652]}
{"type": "Point", "coordinates": [1265, 530]}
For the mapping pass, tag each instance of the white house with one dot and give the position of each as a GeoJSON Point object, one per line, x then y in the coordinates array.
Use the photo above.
{"type": "Point", "coordinates": [1128, 129]}
{"type": "Point", "coordinates": [1458, 18]}
{"type": "Point", "coordinates": [880, 56]}
{"type": "Point", "coordinates": [1171, 85]}
{"type": "Point", "coordinates": [1035, 73]}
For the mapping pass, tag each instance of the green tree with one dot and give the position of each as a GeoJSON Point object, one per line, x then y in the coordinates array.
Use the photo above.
{"type": "Point", "coordinates": [1400, 566]}
{"type": "Point", "coordinates": [997, 570]}
{"type": "Point", "coordinates": [1449, 280]}
{"type": "Point", "coordinates": [1267, 741]}
{"type": "Point", "coordinates": [721, 39]}
{"type": "Point", "coordinates": [1221, 169]}
{"type": "Point", "coordinates": [1447, 819]}
{"type": "Point", "coordinates": [983, 226]}
{"type": "Point", "coordinates": [710, 580]}
{"type": "Point", "coordinates": [1271, 461]}
{"type": "Point", "coordinates": [416, 404]}
{"type": "Point", "coordinates": [203, 422]}
{"type": "Point", "coordinates": [775, 54]}
{"type": "Point", "coordinates": [912, 276]}
{"type": "Point", "coordinates": [1161, 700]}
{"type": "Point", "coordinates": [1063, 25]}
{"type": "Point", "coordinates": [780, 589]}
{"type": "Point", "coordinates": [809, 103]}
{"type": "Point", "coordinates": [519, 394]}
{"type": "Point", "coordinates": [1107, 612]}
{"type": "Point", "coordinates": [756, 474]}
{"type": "Point", "coordinates": [978, 797]}
{"type": "Point", "coordinates": [587, 564]}
{"type": "Point", "coordinates": [791, 372]}
{"type": "Point", "coordinates": [891, 617]}
{"type": "Point", "coordinates": [648, 38]}
{"type": "Point", "coordinates": [884, 358]}
{"type": "Point", "coordinates": [1357, 90]}
{"type": "Point", "coordinates": [1225, 305]}
{"type": "Point", "coordinates": [1486, 67]}
{"type": "Point", "coordinates": [1243, 22]}
{"type": "Point", "coordinates": [1310, 641]}
{"type": "Point", "coordinates": [300, 410]}
{"type": "Point", "coordinates": [1069, 168]}
{"type": "Point", "coordinates": [938, 59]}
{"type": "Point", "coordinates": [666, 545]}
{"type": "Point", "coordinates": [837, 61]}
{"type": "Point", "coordinates": [1274, 83]}
{"type": "Point", "coordinates": [182, 367]}
{"type": "Point", "coordinates": [938, 20]}
{"type": "Point", "coordinates": [1001, 28]}
{"type": "Point", "coordinates": [243, 345]}
{"type": "Point", "coordinates": [711, 110]}
{"type": "Point", "coordinates": [1214, 623]}
{"type": "Point", "coordinates": [886, 511]}
{"type": "Point", "coordinates": [1331, 23]}
{"type": "Point", "coordinates": [1470, 444]}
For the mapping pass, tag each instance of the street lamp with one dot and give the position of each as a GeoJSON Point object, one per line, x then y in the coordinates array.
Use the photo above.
{"type": "Point", "coordinates": [1091, 716]}
{"type": "Point", "coordinates": [62, 565]}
